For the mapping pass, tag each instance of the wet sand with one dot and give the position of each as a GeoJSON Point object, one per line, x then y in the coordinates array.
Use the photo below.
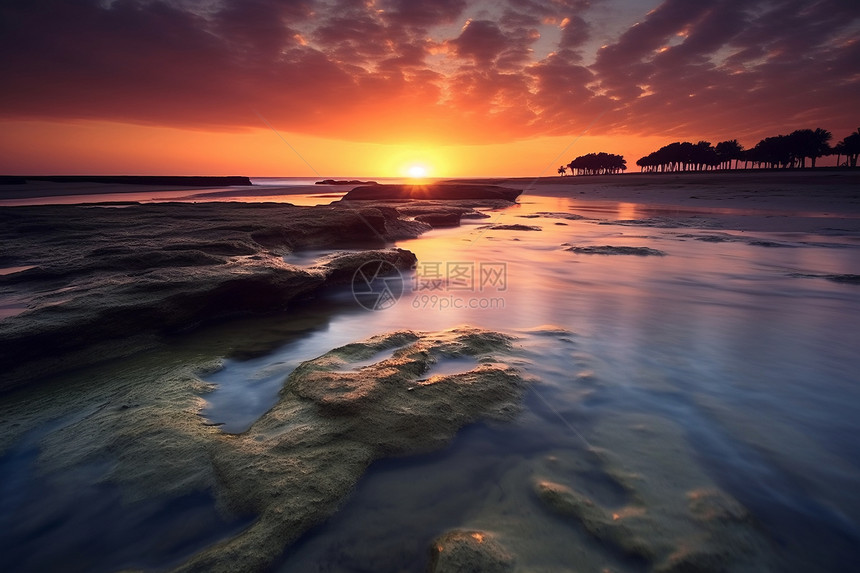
{"type": "Point", "coordinates": [772, 201]}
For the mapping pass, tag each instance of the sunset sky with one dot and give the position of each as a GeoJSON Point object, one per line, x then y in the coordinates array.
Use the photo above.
{"type": "Point", "coordinates": [373, 87]}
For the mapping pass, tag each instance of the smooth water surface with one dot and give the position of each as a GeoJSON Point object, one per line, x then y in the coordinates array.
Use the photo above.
{"type": "Point", "coordinates": [737, 339]}
{"type": "Point", "coordinates": [296, 190]}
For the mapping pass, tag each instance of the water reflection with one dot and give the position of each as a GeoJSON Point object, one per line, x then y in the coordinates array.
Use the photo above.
{"type": "Point", "coordinates": [755, 367]}
{"type": "Point", "coordinates": [716, 336]}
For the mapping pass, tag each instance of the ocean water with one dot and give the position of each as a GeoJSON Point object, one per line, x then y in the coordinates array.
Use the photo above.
{"type": "Point", "coordinates": [296, 190]}
{"type": "Point", "coordinates": [736, 341]}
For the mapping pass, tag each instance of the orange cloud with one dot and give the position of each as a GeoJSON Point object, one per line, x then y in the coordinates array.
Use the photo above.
{"type": "Point", "coordinates": [440, 72]}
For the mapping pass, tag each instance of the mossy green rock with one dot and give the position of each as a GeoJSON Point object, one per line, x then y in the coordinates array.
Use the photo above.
{"type": "Point", "coordinates": [293, 467]}
{"type": "Point", "coordinates": [469, 551]}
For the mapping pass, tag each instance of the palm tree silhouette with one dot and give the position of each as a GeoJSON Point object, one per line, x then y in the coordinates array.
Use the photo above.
{"type": "Point", "coordinates": [776, 152]}
{"type": "Point", "coordinates": [838, 150]}
{"type": "Point", "coordinates": [821, 145]}
{"type": "Point", "coordinates": [851, 148]}
{"type": "Point", "coordinates": [598, 164]}
{"type": "Point", "coordinates": [728, 151]}
{"type": "Point", "coordinates": [562, 170]}
{"type": "Point", "coordinates": [808, 143]}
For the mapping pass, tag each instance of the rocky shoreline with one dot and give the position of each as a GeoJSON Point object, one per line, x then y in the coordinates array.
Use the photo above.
{"type": "Point", "coordinates": [107, 282]}
{"type": "Point", "coordinates": [435, 191]}
{"type": "Point", "coordinates": [95, 283]}
{"type": "Point", "coordinates": [294, 466]}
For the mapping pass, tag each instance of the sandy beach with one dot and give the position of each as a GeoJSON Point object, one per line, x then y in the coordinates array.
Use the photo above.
{"type": "Point", "coordinates": [773, 201]}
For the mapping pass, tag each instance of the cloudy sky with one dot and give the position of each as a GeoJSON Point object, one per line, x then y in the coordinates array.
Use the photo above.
{"type": "Point", "coordinates": [365, 87]}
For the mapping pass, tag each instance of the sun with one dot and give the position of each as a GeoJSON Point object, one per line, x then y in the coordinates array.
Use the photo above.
{"type": "Point", "coordinates": [417, 171]}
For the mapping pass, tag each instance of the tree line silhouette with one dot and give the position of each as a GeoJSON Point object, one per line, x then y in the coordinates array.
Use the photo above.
{"type": "Point", "coordinates": [778, 152]}
{"type": "Point", "coordinates": [595, 164]}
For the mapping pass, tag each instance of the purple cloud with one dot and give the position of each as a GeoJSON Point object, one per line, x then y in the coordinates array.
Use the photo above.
{"type": "Point", "coordinates": [451, 69]}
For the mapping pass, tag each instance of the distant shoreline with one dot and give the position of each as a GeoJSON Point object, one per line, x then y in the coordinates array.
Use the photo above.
{"type": "Point", "coordinates": [692, 176]}
{"type": "Point", "coordinates": [834, 192]}
{"type": "Point", "coordinates": [169, 180]}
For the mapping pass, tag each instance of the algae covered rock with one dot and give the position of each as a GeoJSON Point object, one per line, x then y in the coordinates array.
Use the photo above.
{"type": "Point", "coordinates": [464, 551]}
{"type": "Point", "coordinates": [296, 464]}
{"type": "Point", "coordinates": [443, 191]}
{"type": "Point", "coordinates": [671, 515]}
{"type": "Point", "coordinates": [104, 283]}
{"type": "Point", "coordinates": [438, 220]}
{"type": "Point", "coordinates": [338, 413]}
{"type": "Point", "coordinates": [613, 250]}
{"type": "Point", "coordinates": [114, 314]}
{"type": "Point", "coordinates": [512, 227]}
{"type": "Point", "coordinates": [601, 523]}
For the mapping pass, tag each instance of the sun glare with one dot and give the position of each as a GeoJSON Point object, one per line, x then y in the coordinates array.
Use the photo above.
{"type": "Point", "coordinates": [417, 171]}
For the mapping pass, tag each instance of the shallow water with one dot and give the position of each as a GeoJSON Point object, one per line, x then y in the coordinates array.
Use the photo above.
{"type": "Point", "coordinates": [295, 191]}
{"type": "Point", "coordinates": [78, 521]}
{"type": "Point", "coordinates": [123, 199]}
{"type": "Point", "coordinates": [730, 337]}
